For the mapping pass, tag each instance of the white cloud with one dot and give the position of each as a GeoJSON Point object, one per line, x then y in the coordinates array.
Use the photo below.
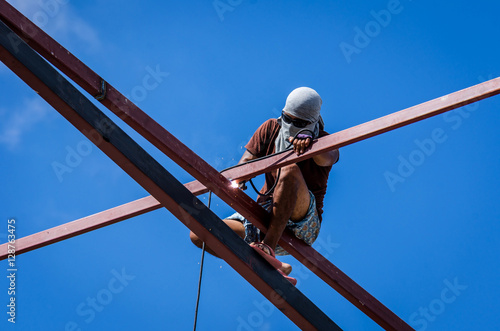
{"type": "Point", "coordinates": [21, 121]}
{"type": "Point", "coordinates": [22, 5]}
{"type": "Point", "coordinates": [69, 27]}
{"type": "Point", "coordinates": [59, 20]}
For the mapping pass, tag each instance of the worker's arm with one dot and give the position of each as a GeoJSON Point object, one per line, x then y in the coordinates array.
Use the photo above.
{"type": "Point", "coordinates": [324, 160]}
{"type": "Point", "coordinates": [247, 156]}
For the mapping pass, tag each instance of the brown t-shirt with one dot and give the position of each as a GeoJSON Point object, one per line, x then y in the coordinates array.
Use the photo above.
{"type": "Point", "coordinates": [316, 177]}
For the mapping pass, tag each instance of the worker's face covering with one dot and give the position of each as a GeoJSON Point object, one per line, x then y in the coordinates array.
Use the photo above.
{"type": "Point", "coordinates": [304, 103]}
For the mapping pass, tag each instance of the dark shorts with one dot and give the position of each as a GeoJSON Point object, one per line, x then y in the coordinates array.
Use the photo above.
{"type": "Point", "coordinates": [306, 229]}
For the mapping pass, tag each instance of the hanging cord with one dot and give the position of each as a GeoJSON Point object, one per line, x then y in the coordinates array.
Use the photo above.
{"type": "Point", "coordinates": [289, 147]}
{"type": "Point", "coordinates": [201, 271]}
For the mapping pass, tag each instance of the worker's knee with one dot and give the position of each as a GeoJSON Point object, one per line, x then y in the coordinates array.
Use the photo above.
{"type": "Point", "coordinates": [291, 173]}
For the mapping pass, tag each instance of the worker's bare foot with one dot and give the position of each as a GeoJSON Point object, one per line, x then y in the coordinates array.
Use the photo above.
{"type": "Point", "coordinates": [271, 258]}
{"type": "Point", "coordinates": [268, 253]}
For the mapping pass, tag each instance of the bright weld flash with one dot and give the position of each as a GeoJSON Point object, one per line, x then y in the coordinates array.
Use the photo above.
{"type": "Point", "coordinates": [234, 184]}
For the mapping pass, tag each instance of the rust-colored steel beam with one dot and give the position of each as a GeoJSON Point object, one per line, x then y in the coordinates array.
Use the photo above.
{"type": "Point", "coordinates": [373, 128]}
{"type": "Point", "coordinates": [125, 109]}
{"type": "Point", "coordinates": [280, 160]}
{"type": "Point", "coordinates": [333, 141]}
{"type": "Point", "coordinates": [82, 225]}
{"type": "Point", "coordinates": [82, 75]}
{"type": "Point", "coordinates": [147, 172]}
{"type": "Point", "coordinates": [188, 160]}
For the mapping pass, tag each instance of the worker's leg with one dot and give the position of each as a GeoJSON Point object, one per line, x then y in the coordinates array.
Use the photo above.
{"type": "Point", "coordinates": [306, 229]}
{"type": "Point", "coordinates": [291, 201]}
{"type": "Point", "coordinates": [235, 225]}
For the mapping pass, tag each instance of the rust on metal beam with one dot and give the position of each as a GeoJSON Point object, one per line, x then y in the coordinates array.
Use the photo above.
{"type": "Point", "coordinates": [125, 109]}
{"type": "Point", "coordinates": [90, 223]}
{"type": "Point", "coordinates": [373, 128]}
{"type": "Point", "coordinates": [170, 145]}
{"type": "Point", "coordinates": [281, 159]}
{"type": "Point", "coordinates": [82, 225]}
{"type": "Point", "coordinates": [327, 143]}
{"type": "Point", "coordinates": [309, 257]}
{"type": "Point", "coordinates": [137, 163]}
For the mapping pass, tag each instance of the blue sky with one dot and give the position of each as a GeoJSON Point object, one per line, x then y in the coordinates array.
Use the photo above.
{"type": "Point", "coordinates": [424, 245]}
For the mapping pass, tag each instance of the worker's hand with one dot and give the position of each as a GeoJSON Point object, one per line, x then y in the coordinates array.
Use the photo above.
{"type": "Point", "coordinates": [301, 143]}
{"type": "Point", "coordinates": [241, 184]}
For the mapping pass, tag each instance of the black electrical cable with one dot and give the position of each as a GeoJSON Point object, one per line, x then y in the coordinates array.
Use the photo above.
{"type": "Point", "coordinates": [289, 147]}
{"type": "Point", "coordinates": [267, 156]}
{"type": "Point", "coordinates": [261, 194]}
{"type": "Point", "coordinates": [201, 271]}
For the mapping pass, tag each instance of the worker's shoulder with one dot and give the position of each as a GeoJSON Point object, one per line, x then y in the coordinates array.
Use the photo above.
{"type": "Point", "coordinates": [270, 124]}
{"type": "Point", "coordinates": [272, 121]}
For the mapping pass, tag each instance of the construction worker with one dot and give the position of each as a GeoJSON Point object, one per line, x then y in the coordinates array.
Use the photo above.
{"type": "Point", "coordinates": [297, 199]}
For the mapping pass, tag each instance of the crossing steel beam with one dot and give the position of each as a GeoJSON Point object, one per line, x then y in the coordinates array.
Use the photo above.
{"type": "Point", "coordinates": [147, 172]}
{"type": "Point", "coordinates": [246, 171]}
{"type": "Point", "coordinates": [133, 116]}
{"type": "Point", "coordinates": [208, 176]}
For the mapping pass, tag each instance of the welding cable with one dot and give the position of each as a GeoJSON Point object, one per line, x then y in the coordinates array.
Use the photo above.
{"type": "Point", "coordinates": [289, 147]}
{"type": "Point", "coordinates": [201, 271]}
{"type": "Point", "coordinates": [203, 248]}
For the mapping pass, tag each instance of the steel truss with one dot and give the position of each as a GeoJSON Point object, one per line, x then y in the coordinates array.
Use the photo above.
{"type": "Point", "coordinates": [23, 47]}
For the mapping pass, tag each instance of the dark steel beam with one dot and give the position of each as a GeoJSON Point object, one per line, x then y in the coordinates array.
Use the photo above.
{"type": "Point", "coordinates": [147, 172]}
{"type": "Point", "coordinates": [333, 141]}
{"type": "Point", "coordinates": [323, 268]}
{"type": "Point", "coordinates": [179, 153]}
{"type": "Point", "coordinates": [60, 57]}
{"type": "Point", "coordinates": [126, 110]}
